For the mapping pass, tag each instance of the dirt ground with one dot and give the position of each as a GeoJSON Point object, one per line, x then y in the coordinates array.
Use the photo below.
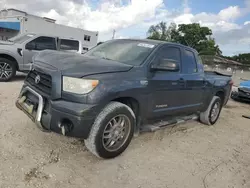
{"type": "Point", "coordinates": [190, 155]}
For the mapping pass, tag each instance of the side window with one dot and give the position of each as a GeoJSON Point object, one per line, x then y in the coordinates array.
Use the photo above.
{"type": "Point", "coordinates": [86, 37]}
{"type": "Point", "coordinates": [69, 45]}
{"type": "Point", "coordinates": [189, 63]}
{"type": "Point", "coordinates": [168, 52]}
{"type": "Point", "coordinates": [42, 43]}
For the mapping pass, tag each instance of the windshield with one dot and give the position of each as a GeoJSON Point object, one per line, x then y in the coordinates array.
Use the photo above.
{"type": "Point", "coordinates": [21, 38]}
{"type": "Point", "coordinates": [130, 52]}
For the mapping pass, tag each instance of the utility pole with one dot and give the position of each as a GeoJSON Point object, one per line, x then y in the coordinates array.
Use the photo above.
{"type": "Point", "coordinates": [113, 34]}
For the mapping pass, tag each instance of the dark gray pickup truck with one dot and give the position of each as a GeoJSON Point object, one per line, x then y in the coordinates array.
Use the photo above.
{"type": "Point", "coordinates": [118, 89]}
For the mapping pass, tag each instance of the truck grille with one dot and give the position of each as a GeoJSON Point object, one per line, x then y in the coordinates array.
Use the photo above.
{"type": "Point", "coordinates": [44, 84]}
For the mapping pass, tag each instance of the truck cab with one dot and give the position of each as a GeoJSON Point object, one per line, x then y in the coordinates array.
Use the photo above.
{"type": "Point", "coordinates": [16, 54]}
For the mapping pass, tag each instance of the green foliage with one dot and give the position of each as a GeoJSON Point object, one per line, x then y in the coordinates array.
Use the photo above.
{"type": "Point", "coordinates": [161, 31]}
{"type": "Point", "coordinates": [242, 58]}
{"type": "Point", "coordinates": [193, 35]}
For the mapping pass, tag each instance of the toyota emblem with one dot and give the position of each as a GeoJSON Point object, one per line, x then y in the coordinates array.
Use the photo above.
{"type": "Point", "coordinates": [37, 79]}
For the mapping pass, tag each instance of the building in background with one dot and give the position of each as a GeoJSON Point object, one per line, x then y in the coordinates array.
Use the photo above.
{"type": "Point", "coordinates": [14, 22]}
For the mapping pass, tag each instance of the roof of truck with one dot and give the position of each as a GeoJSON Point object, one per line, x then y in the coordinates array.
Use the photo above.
{"type": "Point", "coordinates": [156, 42]}
{"type": "Point", "coordinates": [47, 35]}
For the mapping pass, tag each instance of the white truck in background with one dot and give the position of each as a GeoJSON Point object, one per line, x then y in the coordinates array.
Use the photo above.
{"type": "Point", "coordinates": [15, 22]}
{"type": "Point", "coordinates": [16, 53]}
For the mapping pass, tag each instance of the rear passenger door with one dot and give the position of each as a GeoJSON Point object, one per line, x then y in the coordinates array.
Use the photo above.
{"type": "Point", "coordinates": [194, 90]}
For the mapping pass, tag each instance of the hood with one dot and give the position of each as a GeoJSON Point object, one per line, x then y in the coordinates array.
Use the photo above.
{"type": "Point", "coordinates": [77, 65]}
{"type": "Point", "coordinates": [2, 42]}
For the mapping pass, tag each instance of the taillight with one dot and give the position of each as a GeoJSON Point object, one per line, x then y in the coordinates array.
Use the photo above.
{"type": "Point", "coordinates": [231, 82]}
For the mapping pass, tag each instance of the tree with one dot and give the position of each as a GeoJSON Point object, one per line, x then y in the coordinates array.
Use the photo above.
{"type": "Point", "coordinates": [242, 58]}
{"type": "Point", "coordinates": [193, 35]}
{"type": "Point", "coordinates": [197, 37]}
{"type": "Point", "coordinates": [161, 31]}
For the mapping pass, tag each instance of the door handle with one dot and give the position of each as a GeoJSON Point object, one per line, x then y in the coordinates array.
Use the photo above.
{"type": "Point", "coordinates": [181, 81]}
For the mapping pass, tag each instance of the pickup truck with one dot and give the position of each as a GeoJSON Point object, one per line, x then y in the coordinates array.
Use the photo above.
{"type": "Point", "coordinates": [119, 89]}
{"type": "Point", "coordinates": [16, 54]}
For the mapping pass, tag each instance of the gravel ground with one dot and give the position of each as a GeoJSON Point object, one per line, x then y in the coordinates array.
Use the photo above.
{"type": "Point", "coordinates": [190, 155]}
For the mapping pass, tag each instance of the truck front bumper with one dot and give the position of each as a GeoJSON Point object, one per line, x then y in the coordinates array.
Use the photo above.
{"type": "Point", "coordinates": [60, 116]}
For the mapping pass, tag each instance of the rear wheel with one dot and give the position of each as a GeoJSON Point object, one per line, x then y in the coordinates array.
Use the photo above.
{"type": "Point", "coordinates": [7, 70]}
{"type": "Point", "coordinates": [211, 115]}
{"type": "Point", "coordinates": [112, 131]}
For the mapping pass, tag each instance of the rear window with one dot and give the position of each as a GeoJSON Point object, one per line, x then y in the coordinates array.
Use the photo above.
{"type": "Point", "coordinates": [189, 64]}
{"type": "Point", "coordinates": [199, 60]}
{"type": "Point", "coordinates": [69, 45]}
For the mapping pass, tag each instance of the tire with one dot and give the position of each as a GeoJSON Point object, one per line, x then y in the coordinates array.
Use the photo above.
{"type": "Point", "coordinates": [7, 70]}
{"type": "Point", "coordinates": [234, 95]}
{"type": "Point", "coordinates": [206, 117]}
{"type": "Point", "coordinates": [95, 143]}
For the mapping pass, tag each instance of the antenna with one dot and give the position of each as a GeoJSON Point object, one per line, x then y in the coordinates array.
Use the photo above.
{"type": "Point", "coordinates": [113, 34]}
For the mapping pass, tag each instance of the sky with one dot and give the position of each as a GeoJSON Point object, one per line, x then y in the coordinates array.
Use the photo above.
{"type": "Point", "coordinates": [228, 19]}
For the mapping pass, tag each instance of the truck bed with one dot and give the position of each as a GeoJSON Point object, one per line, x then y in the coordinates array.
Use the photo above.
{"type": "Point", "coordinates": [216, 73]}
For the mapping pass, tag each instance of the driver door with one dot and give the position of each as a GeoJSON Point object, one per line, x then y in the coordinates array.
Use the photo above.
{"type": "Point", "coordinates": [166, 87]}
{"type": "Point", "coordinates": [36, 45]}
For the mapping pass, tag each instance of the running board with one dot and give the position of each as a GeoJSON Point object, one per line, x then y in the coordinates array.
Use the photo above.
{"type": "Point", "coordinates": [163, 124]}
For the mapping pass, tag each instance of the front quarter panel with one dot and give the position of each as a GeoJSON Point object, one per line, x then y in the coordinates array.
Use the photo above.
{"type": "Point", "coordinates": [11, 50]}
{"type": "Point", "coordinates": [116, 85]}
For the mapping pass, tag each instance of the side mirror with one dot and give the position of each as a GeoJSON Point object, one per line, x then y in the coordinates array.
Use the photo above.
{"type": "Point", "coordinates": [166, 65]}
{"type": "Point", "coordinates": [30, 46]}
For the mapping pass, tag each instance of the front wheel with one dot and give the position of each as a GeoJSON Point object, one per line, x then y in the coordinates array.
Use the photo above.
{"type": "Point", "coordinates": [7, 70]}
{"type": "Point", "coordinates": [112, 131]}
{"type": "Point", "coordinates": [211, 115]}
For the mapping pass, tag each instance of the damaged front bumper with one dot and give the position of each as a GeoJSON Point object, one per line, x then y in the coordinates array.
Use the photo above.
{"type": "Point", "coordinates": [60, 116]}
{"type": "Point", "coordinates": [33, 111]}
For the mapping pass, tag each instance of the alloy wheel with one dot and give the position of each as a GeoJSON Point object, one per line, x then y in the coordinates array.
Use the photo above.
{"type": "Point", "coordinates": [116, 133]}
{"type": "Point", "coordinates": [215, 111]}
{"type": "Point", "coordinates": [5, 70]}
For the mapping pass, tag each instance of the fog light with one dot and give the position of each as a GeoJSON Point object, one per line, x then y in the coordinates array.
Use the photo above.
{"type": "Point", "coordinates": [66, 126]}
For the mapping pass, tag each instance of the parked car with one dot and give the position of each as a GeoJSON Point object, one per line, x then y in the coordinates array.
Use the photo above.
{"type": "Point", "coordinates": [242, 93]}
{"type": "Point", "coordinates": [116, 89]}
{"type": "Point", "coordinates": [16, 54]}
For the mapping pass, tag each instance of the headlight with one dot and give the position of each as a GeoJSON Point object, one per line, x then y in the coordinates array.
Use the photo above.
{"type": "Point", "coordinates": [78, 85]}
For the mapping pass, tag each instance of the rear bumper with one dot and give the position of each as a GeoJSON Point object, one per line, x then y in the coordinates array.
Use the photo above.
{"type": "Point", "coordinates": [63, 117]}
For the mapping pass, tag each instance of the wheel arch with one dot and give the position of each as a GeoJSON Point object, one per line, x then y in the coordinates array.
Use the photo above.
{"type": "Point", "coordinates": [131, 102]}
{"type": "Point", "coordinates": [11, 58]}
{"type": "Point", "coordinates": [221, 94]}
{"type": "Point", "coordinates": [134, 104]}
